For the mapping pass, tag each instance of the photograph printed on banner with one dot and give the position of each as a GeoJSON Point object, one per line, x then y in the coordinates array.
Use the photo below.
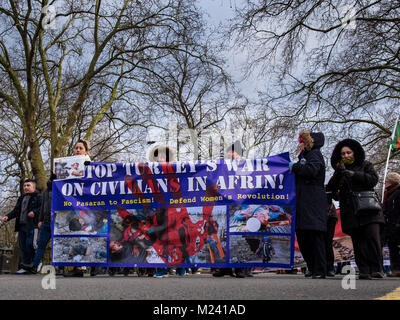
{"type": "Point", "coordinates": [70, 167]}
{"type": "Point", "coordinates": [168, 235]}
{"type": "Point", "coordinates": [259, 249]}
{"type": "Point", "coordinates": [260, 218]}
{"type": "Point", "coordinates": [81, 222]}
{"type": "Point", "coordinates": [80, 250]}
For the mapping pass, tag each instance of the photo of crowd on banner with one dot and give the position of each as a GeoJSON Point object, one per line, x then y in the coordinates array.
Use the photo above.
{"type": "Point", "coordinates": [81, 222]}
{"type": "Point", "coordinates": [168, 235]}
{"type": "Point", "coordinates": [260, 218]}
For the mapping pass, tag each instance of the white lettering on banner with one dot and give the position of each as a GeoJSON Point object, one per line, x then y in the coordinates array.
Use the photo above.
{"type": "Point", "coordinates": [195, 182]}
{"type": "Point", "coordinates": [75, 189]}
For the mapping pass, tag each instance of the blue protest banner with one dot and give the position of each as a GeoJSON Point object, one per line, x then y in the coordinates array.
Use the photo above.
{"type": "Point", "coordinates": [211, 213]}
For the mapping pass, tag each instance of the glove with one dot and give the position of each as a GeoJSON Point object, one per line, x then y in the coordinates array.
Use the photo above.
{"type": "Point", "coordinates": [348, 173]}
{"type": "Point", "coordinates": [291, 163]}
{"type": "Point", "coordinates": [340, 167]}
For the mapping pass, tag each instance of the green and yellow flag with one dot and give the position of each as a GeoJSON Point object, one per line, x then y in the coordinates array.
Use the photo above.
{"type": "Point", "coordinates": [396, 139]}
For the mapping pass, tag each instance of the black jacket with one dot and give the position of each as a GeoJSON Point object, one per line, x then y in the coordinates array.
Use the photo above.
{"type": "Point", "coordinates": [311, 199]}
{"type": "Point", "coordinates": [45, 209]}
{"type": "Point", "coordinates": [365, 178]}
{"type": "Point", "coordinates": [392, 215]}
{"type": "Point", "coordinates": [33, 205]}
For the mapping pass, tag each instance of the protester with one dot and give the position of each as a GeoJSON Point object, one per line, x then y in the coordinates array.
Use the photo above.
{"type": "Point", "coordinates": [162, 154]}
{"type": "Point", "coordinates": [391, 211]}
{"type": "Point", "coordinates": [330, 232]}
{"type": "Point", "coordinates": [354, 174]}
{"type": "Point", "coordinates": [235, 151]}
{"type": "Point", "coordinates": [44, 226]}
{"type": "Point", "coordinates": [311, 202]}
{"type": "Point", "coordinates": [26, 212]}
{"type": "Point", "coordinates": [81, 148]}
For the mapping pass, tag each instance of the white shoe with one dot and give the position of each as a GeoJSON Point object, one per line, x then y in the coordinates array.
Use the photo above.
{"type": "Point", "coordinates": [21, 271]}
{"type": "Point", "coordinates": [160, 275]}
{"type": "Point", "coordinates": [39, 267]}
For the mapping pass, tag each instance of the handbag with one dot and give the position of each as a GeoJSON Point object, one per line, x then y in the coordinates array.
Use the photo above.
{"type": "Point", "coordinates": [365, 203]}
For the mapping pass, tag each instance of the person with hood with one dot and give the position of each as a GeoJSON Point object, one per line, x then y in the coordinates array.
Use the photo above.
{"type": "Point", "coordinates": [354, 174]}
{"type": "Point", "coordinates": [391, 212]}
{"type": "Point", "coordinates": [26, 212]}
{"type": "Point", "coordinates": [311, 202]}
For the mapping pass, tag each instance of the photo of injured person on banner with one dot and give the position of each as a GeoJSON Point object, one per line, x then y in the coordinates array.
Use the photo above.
{"type": "Point", "coordinates": [168, 235]}
{"type": "Point", "coordinates": [80, 249]}
{"type": "Point", "coordinates": [259, 249]}
{"type": "Point", "coordinates": [81, 222]}
{"type": "Point", "coordinates": [260, 218]}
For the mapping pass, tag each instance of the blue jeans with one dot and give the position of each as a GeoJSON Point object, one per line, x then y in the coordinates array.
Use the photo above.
{"type": "Point", "coordinates": [44, 237]}
{"type": "Point", "coordinates": [25, 241]}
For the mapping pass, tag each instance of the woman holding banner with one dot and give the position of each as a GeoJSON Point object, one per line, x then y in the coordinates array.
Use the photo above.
{"type": "Point", "coordinates": [354, 174]}
{"type": "Point", "coordinates": [81, 148]}
{"type": "Point", "coordinates": [311, 202]}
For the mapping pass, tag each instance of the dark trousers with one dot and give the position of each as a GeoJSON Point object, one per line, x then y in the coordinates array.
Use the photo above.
{"type": "Point", "coordinates": [312, 247]}
{"type": "Point", "coordinates": [367, 248]}
{"type": "Point", "coordinates": [394, 253]}
{"type": "Point", "coordinates": [330, 232]}
{"type": "Point", "coordinates": [44, 237]}
{"type": "Point", "coordinates": [25, 241]}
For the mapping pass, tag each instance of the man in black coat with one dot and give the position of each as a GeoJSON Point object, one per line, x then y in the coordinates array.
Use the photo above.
{"type": "Point", "coordinates": [26, 212]}
{"type": "Point", "coordinates": [311, 202]}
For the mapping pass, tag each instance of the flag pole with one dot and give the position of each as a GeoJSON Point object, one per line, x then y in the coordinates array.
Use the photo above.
{"type": "Point", "coordinates": [388, 157]}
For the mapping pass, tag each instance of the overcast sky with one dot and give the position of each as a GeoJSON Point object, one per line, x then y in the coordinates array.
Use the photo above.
{"type": "Point", "coordinates": [219, 12]}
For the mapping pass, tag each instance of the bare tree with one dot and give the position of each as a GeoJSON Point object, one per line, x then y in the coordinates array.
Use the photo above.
{"type": "Point", "coordinates": [333, 65]}
{"type": "Point", "coordinates": [194, 91]}
{"type": "Point", "coordinates": [51, 64]}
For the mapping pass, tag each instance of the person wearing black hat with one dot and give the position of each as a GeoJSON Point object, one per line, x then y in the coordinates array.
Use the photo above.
{"type": "Point", "coordinates": [311, 202]}
{"type": "Point", "coordinates": [354, 173]}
